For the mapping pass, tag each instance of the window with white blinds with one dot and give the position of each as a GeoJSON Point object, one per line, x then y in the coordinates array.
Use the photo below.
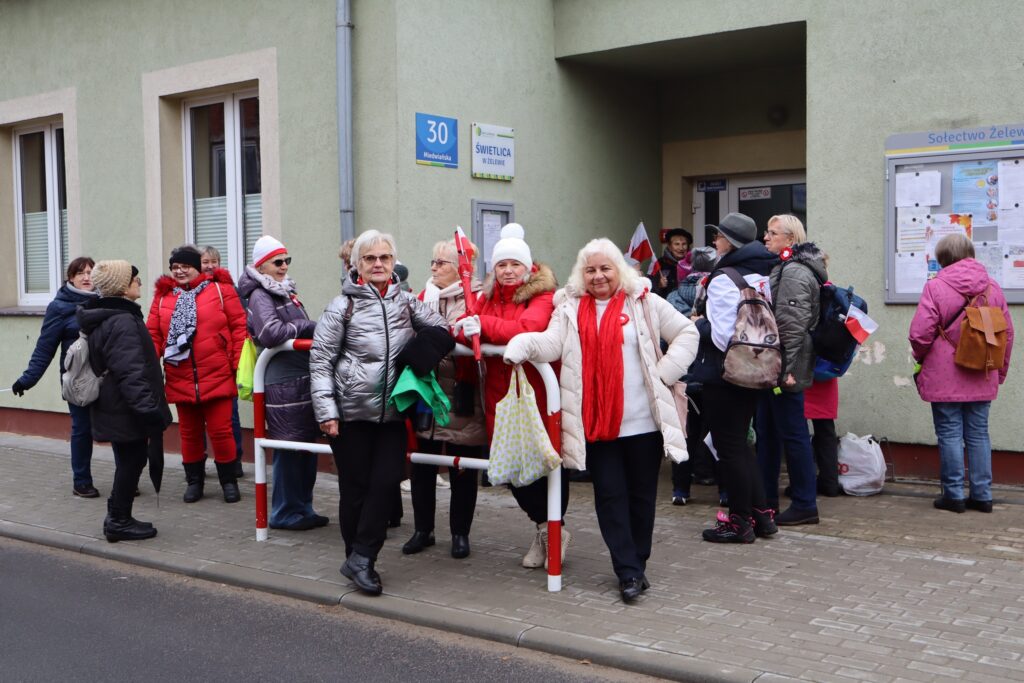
{"type": "Point", "coordinates": [222, 161]}
{"type": "Point", "coordinates": [41, 212]}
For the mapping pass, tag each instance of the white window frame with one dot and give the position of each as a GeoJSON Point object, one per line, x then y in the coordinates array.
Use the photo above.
{"type": "Point", "coordinates": [235, 260]}
{"type": "Point", "coordinates": [53, 240]}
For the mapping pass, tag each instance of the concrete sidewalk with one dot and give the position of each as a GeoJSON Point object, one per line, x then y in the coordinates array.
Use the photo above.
{"type": "Point", "coordinates": [884, 589]}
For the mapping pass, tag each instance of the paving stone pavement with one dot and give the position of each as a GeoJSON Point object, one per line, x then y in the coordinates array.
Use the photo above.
{"type": "Point", "coordinates": [884, 589]}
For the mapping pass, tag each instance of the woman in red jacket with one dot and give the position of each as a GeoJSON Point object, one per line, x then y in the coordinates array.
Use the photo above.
{"type": "Point", "coordinates": [198, 327]}
{"type": "Point", "coordinates": [517, 298]}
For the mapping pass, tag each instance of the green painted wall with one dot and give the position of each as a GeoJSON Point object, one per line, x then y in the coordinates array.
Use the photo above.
{"type": "Point", "coordinates": [873, 68]}
{"type": "Point", "coordinates": [102, 48]}
{"type": "Point", "coordinates": [587, 146]}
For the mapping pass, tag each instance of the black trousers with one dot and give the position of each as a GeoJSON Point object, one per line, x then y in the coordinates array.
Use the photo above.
{"type": "Point", "coordinates": [701, 464]}
{"type": "Point", "coordinates": [129, 460]}
{"type": "Point", "coordinates": [625, 476]}
{"type": "Point", "coordinates": [826, 455]}
{"type": "Point", "coordinates": [533, 499]}
{"type": "Point", "coordinates": [370, 458]}
{"type": "Point", "coordinates": [463, 488]}
{"type": "Point", "coordinates": [729, 410]}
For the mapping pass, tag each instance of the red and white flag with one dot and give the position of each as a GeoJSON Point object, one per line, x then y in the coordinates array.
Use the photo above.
{"type": "Point", "coordinates": [640, 249]}
{"type": "Point", "coordinates": [859, 324]}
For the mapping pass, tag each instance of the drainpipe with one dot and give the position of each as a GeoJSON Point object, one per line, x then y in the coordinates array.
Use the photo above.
{"type": "Point", "coordinates": [343, 40]}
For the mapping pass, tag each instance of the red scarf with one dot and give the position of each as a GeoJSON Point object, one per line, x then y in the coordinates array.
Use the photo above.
{"type": "Point", "coordinates": [602, 367]}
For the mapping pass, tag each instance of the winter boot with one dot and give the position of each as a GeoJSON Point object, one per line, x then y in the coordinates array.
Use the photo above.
{"type": "Point", "coordinates": [226, 474]}
{"type": "Point", "coordinates": [237, 464]}
{"type": "Point", "coordinates": [764, 523]}
{"type": "Point", "coordinates": [359, 569]}
{"type": "Point", "coordinates": [538, 551]}
{"type": "Point", "coordinates": [195, 477]}
{"type": "Point", "coordinates": [119, 525]}
{"type": "Point", "coordinates": [730, 529]}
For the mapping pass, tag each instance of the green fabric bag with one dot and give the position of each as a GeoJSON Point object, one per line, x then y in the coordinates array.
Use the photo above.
{"type": "Point", "coordinates": [246, 370]}
{"type": "Point", "coordinates": [409, 389]}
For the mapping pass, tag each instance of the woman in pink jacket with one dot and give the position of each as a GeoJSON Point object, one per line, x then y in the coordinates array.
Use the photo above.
{"type": "Point", "coordinates": [960, 397]}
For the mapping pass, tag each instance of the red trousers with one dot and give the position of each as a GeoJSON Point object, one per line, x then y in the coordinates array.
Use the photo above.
{"type": "Point", "coordinates": [196, 420]}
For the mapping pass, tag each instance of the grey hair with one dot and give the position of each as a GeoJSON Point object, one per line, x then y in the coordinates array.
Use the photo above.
{"type": "Point", "coordinates": [629, 279]}
{"type": "Point", "coordinates": [448, 250]}
{"type": "Point", "coordinates": [368, 239]}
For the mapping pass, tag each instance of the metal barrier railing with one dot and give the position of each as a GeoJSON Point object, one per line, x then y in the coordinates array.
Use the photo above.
{"type": "Point", "coordinates": [552, 422]}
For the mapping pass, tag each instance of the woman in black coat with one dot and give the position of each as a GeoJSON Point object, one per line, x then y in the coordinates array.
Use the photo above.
{"type": "Point", "coordinates": [60, 329]}
{"type": "Point", "coordinates": [131, 405]}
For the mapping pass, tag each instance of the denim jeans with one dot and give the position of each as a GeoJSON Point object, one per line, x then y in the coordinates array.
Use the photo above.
{"type": "Point", "coordinates": [957, 425]}
{"type": "Point", "coordinates": [781, 423]}
{"type": "Point", "coordinates": [81, 446]}
{"type": "Point", "coordinates": [292, 493]}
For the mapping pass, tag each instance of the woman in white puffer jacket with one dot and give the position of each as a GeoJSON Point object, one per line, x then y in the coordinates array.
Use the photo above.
{"type": "Point", "coordinates": [618, 414]}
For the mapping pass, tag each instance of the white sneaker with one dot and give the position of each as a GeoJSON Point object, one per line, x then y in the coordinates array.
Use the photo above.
{"type": "Point", "coordinates": [442, 483]}
{"type": "Point", "coordinates": [406, 485]}
{"type": "Point", "coordinates": [536, 556]}
{"type": "Point", "coordinates": [566, 537]}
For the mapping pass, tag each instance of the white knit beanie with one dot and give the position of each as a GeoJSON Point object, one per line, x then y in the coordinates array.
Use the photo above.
{"type": "Point", "coordinates": [265, 249]}
{"type": "Point", "coordinates": [512, 246]}
{"type": "Point", "coordinates": [112, 278]}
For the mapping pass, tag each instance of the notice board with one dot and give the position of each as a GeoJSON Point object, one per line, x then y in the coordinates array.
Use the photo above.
{"type": "Point", "coordinates": [968, 181]}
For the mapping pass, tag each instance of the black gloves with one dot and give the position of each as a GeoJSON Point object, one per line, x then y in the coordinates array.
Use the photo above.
{"type": "Point", "coordinates": [19, 389]}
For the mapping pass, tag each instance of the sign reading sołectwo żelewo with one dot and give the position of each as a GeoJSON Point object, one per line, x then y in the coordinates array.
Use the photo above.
{"type": "Point", "coordinates": [494, 152]}
{"type": "Point", "coordinates": [437, 141]}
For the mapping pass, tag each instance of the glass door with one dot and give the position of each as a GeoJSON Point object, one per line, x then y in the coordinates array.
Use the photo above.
{"type": "Point", "coordinates": [759, 196]}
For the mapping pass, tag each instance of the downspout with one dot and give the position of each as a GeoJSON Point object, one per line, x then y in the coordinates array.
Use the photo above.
{"type": "Point", "coordinates": [343, 40]}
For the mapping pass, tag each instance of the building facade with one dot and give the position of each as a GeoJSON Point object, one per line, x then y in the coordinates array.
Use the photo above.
{"type": "Point", "coordinates": [128, 127]}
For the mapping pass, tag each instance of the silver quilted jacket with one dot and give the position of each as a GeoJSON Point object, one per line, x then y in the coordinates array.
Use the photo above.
{"type": "Point", "coordinates": [352, 363]}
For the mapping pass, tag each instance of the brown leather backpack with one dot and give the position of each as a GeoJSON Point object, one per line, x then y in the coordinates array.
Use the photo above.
{"type": "Point", "coordinates": [982, 344]}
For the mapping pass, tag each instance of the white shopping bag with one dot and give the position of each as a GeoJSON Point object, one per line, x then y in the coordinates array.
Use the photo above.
{"type": "Point", "coordinates": [861, 465]}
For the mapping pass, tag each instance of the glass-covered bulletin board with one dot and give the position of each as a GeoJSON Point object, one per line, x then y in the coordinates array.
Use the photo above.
{"type": "Point", "coordinates": [968, 181]}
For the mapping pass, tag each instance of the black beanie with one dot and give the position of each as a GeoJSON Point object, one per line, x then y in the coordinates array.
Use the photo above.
{"type": "Point", "coordinates": [190, 256]}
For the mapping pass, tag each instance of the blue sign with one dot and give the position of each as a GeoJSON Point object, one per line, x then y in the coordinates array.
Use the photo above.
{"type": "Point", "coordinates": [711, 185]}
{"type": "Point", "coordinates": [437, 141]}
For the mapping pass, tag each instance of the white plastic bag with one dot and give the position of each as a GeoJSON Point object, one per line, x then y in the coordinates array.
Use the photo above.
{"type": "Point", "coordinates": [861, 465]}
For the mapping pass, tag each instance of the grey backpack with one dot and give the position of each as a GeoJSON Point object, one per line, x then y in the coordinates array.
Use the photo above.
{"type": "Point", "coordinates": [80, 385]}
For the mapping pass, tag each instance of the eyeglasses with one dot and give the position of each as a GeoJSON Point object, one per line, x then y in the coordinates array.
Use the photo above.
{"type": "Point", "coordinates": [287, 261]}
{"type": "Point", "coordinates": [775, 233]}
{"type": "Point", "coordinates": [440, 262]}
{"type": "Point", "coordinates": [137, 280]}
{"type": "Point", "coordinates": [181, 268]}
{"type": "Point", "coordinates": [370, 259]}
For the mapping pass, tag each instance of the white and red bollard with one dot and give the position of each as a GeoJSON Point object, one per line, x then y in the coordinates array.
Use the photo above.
{"type": "Point", "coordinates": [552, 421]}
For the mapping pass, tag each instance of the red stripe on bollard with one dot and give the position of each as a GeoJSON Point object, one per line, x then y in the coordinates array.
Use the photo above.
{"type": "Point", "coordinates": [455, 462]}
{"type": "Point", "coordinates": [261, 506]}
{"type": "Point", "coordinates": [259, 416]}
{"type": "Point", "coordinates": [554, 548]}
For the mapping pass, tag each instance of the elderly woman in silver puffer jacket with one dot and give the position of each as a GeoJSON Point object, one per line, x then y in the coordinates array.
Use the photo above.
{"type": "Point", "coordinates": [354, 363]}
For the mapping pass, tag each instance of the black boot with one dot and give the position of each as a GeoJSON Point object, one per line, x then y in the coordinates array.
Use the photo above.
{"type": "Point", "coordinates": [359, 569]}
{"type": "Point", "coordinates": [195, 477]}
{"type": "Point", "coordinates": [420, 540]}
{"type": "Point", "coordinates": [226, 474]}
{"type": "Point", "coordinates": [119, 525]}
{"type": "Point", "coordinates": [239, 472]}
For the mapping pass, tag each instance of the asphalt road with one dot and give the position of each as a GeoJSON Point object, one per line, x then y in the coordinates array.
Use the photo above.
{"type": "Point", "coordinates": [66, 616]}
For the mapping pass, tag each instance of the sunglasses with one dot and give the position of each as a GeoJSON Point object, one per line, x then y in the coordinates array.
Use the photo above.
{"type": "Point", "coordinates": [282, 261]}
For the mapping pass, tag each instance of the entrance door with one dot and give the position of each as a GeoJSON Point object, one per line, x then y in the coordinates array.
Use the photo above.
{"type": "Point", "coordinates": [759, 196]}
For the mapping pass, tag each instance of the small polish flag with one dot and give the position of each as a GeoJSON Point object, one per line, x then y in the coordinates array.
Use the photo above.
{"type": "Point", "coordinates": [859, 324]}
{"type": "Point", "coordinates": [640, 249]}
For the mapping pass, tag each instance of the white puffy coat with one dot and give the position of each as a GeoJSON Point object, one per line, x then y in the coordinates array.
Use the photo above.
{"type": "Point", "coordinates": [561, 341]}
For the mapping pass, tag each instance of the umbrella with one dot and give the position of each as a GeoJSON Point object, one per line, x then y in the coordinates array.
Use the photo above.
{"type": "Point", "coordinates": [155, 452]}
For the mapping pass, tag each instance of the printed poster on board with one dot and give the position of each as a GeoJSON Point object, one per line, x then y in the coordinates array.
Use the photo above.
{"type": "Point", "coordinates": [976, 191]}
